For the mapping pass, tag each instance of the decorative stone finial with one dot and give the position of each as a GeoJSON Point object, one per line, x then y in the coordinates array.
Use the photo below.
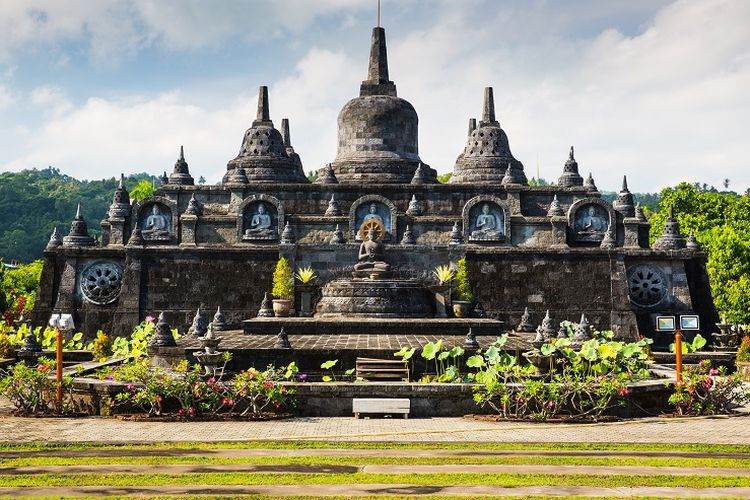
{"type": "Point", "coordinates": [282, 340]}
{"type": "Point", "coordinates": [670, 238]}
{"type": "Point", "coordinates": [237, 176]}
{"type": "Point", "coordinates": [422, 175]}
{"type": "Point", "coordinates": [194, 207]}
{"type": "Point", "coordinates": [219, 323]}
{"type": "Point", "coordinates": [333, 207]}
{"type": "Point", "coordinates": [589, 184]}
{"type": "Point", "coordinates": [609, 241]}
{"type": "Point", "coordinates": [545, 331]}
{"type": "Point", "coordinates": [488, 108]}
{"type": "Point", "coordinates": [263, 114]}
{"type": "Point", "coordinates": [181, 173]}
{"type": "Point", "coordinates": [625, 203]}
{"type": "Point", "coordinates": [338, 236]}
{"type": "Point", "coordinates": [136, 236]}
{"type": "Point", "coordinates": [555, 210]}
{"type": "Point", "coordinates": [582, 333]}
{"type": "Point", "coordinates": [415, 207]}
{"type": "Point", "coordinates": [55, 240]}
{"type": "Point", "coordinates": [639, 213]}
{"type": "Point", "coordinates": [456, 236]}
{"type": "Point", "coordinates": [525, 325]}
{"type": "Point", "coordinates": [570, 176]}
{"type": "Point", "coordinates": [199, 327]}
{"type": "Point", "coordinates": [266, 308]}
{"type": "Point", "coordinates": [120, 207]}
{"type": "Point", "coordinates": [79, 233]}
{"type": "Point", "coordinates": [408, 238]}
{"type": "Point", "coordinates": [287, 235]}
{"type": "Point", "coordinates": [472, 125]}
{"type": "Point", "coordinates": [162, 333]}
{"type": "Point", "coordinates": [512, 176]}
{"type": "Point", "coordinates": [285, 134]}
{"type": "Point", "coordinates": [31, 348]}
{"type": "Point", "coordinates": [164, 179]}
{"type": "Point", "coordinates": [377, 82]}
{"type": "Point", "coordinates": [692, 243]}
{"type": "Point", "coordinates": [471, 340]}
{"type": "Point", "coordinates": [328, 177]}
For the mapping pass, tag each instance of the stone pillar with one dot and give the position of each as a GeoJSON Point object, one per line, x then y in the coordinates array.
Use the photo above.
{"type": "Point", "coordinates": [622, 318]}
{"type": "Point", "coordinates": [188, 224]}
{"type": "Point", "coordinates": [129, 313]}
{"type": "Point", "coordinates": [559, 231]}
{"type": "Point", "coordinates": [236, 196]}
{"type": "Point", "coordinates": [631, 236]}
{"type": "Point", "coordinates": [117, 231]}
{"type": "Point", "coordinates": [47, 292]}
{"type": "Point", "coordinates": [514, 201]}
{"type": "Point", "coordinates": [680, 289]}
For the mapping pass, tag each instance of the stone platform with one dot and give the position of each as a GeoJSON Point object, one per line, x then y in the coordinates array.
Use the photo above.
{"type": "Point", "coordinates": [351, 327]}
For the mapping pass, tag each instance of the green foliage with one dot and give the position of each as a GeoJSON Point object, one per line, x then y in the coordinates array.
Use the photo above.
{"type": "Point", "coordinates": [7, 347]}
{"type": "Point", "coordinates": [142, 190]}
{"type": "Point", "coordinates": [305, 274]}
{"type": "Point", "coordinates": [721, 222]}
{"type": "Point", "coordinates": [312, 175]}
{"type": "Point", "coordinates": [102, 346]}
{"type": "Point", "coordinates": [32, 390]}
{"type": "Point", "coordinates": [689, 347]}
{"type": "Point", "coordinates": [33, 202]}
{"type": "Point", "coordinates": [137, 345]}
{"type": "Point", "coordinates": [538, 182]}
{"type": "Point", "coordinates": [447, 361]}
{"type": "Point", "coordinates": [707, 391]}
{"type": "Point", "coordinates": [463, 287]}
{"type": "Point", "coordinates": [328, 365]}
{"type": "Point", "coordinates": [444, 273]}
{"type": "Point", "coordinates": [249, 393]}
{"type": "Point", "coordinates": [444, 178]}
{"type": "Point", "coordinates": [743, 352]}
{"type": "Point", "coordinates": [283, 280]}
{"type": "Point", "coordinates": [18, 288]}
{"type": "Point", "coordinates": [579, 385]}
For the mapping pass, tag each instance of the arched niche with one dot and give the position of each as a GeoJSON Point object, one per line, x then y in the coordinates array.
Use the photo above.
{"type": "Point", "coordinates": [261, 218]}
{"type": "Point", "coordinates": [486, 219]}
{"type": "Point", "coordinates": [376, 207]}
{"type": "Point", "coordinates": [589, 219]}
{"type": "Point", "coordinates": [158, 218]}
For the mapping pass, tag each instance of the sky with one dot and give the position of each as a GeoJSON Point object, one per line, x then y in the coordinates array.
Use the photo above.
{"type": "Point", "coordinates": [654, 89]}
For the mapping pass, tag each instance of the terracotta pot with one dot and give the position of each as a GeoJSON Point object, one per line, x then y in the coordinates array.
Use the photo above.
{"type": "Point", "coordinates": [281, 307]}
{"type": "Point", "coordinates": [743, 369]}
{"type": "Point", "coordinates": [461, 308]}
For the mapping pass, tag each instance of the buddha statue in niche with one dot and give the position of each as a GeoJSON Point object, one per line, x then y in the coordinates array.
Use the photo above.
{"type": "Point", "coordinates": [156, 224]}
{"type": "Point", "coordinates": [261, 224]}
{"type": "Point", "coordinates": [487, 225]}
{"type": "Point", "coordinates": [372, 256]}
{"type": "Point", "coordinates": [591, 224]}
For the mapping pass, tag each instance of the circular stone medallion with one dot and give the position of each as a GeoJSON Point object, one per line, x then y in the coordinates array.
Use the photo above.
{"type": "Point", "coordinates": [100, 282]}
{"type": "Point", "coordinates": [647, 285]}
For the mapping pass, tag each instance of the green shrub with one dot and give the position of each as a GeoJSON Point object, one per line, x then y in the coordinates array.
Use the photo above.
{"type": "Point", "coordinates": [32, 390]}
{"type": "Point", "coordinates": [283, 280]}
{"type": "Point", "coordinates": [102, 346]}
{"type": "Point", "coordinates": [743, 352]}
{"type": "Point", "coordinates": [463, 287]}
{"type": "Point", "coordinates": [7, 347]}
{"type": "Point", "coordinates": [705, 390]}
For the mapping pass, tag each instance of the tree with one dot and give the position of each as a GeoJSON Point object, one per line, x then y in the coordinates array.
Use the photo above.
{"type": "Point", "coordinates": [144, 189]}
{"type": "Point", "coordinates": [721, 223]}
{"type": "Point", "coordinates": [444, 178]}
{"type": "Point", "coordinates": [312, 176]}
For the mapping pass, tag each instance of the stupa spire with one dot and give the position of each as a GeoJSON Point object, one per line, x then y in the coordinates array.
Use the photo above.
{"type": "Point", "coordinates": [377, 82]}
{"type": "Point", "coordinates": [285, 132]}
{"type": "Point", "coordinates": [488, 110]}
{"type": "Point", "coordinates": [263, 113]}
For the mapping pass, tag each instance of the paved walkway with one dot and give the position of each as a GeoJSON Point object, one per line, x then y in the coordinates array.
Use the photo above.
{"type": "Point", "coordinates": [717, 430]}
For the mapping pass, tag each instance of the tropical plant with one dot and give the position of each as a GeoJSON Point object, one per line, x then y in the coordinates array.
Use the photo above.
{"type": "Point", "coordinates": [102, 346]}
{"type": "Point", "coordinates": [32, 390]}
{"type": "Point", "coordinates": [305, 274]}
{"type": "Point", "coordinates": [328, 365]}
{"type": "Point", "coordinates": [704, 390]}
{"type": "Point", "coordinates": [406, 353]}
{"type": "Point", "coordinates": [7, 347]}
{"type": "Point", "coordinates": [283, 284]}
{"type": "Point", "coordinates": [444, 274]}
{"type": "Point", "coordinates": [743, 351]}
{"type": "Point", "coordinates": [18, 288]}
{"type": "Point", "coordinates": [689, 347]}
{"type": "Point", "coordinates": [447, 361]}
{"type": "Point", "coordinates": [463, 287]}
{"type": "Point", "coordinates": [137, 344]}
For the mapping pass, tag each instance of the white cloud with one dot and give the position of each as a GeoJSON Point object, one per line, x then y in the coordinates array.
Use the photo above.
{"type": "Point", "coordinates": [663, 103]}
{"type": "Point", "coordinates": [52, 99]}
{"type": "Point", "coordinates": [6, 97]}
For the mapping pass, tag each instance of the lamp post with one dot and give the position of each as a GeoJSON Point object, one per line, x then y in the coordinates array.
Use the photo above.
{"type": "Point", "coordinates": [61, 323]}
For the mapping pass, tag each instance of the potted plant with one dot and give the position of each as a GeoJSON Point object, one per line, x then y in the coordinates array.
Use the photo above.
{"type": "Point", "coordinates": [462, 307]}
{"type": "Point", "coordinates": [743, 359]}
{"type": "Point", "coordinates": [283, 288]}
{"type": "Point", "coordinates": [305, 275]}
{"type": "Point", "coordinates": [444, 275]}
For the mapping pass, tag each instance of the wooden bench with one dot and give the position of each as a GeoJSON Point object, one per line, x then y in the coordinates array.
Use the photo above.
{"type": "Point", "coordinates": [381, 406]}
{"type": "Point", "coordinates": [382, 370]}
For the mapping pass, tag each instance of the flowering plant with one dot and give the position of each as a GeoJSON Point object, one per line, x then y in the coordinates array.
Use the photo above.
{"type": "Point", "coordinates": [705, 390]}
{"type": "Point", "coordinates": [32, 390]}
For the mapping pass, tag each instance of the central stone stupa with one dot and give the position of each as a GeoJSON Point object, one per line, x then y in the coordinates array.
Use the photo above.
{"type": "Point", "coordinates": [377, 139]}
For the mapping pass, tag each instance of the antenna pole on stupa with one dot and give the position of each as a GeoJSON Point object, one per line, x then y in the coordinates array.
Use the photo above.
{"type": "Point", "coordinates": [488, 112]}
{"type": "Point", "coordinates": [263, 114]}
{"type": "Point", "coordinates": [378, 25]}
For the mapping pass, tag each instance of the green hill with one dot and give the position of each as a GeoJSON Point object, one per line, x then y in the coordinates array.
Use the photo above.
{"type": "Point", "coordinates": [33, 202]}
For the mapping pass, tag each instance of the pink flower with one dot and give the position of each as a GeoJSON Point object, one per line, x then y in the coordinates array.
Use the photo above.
{"type": "Point", "coordinates": [149, 319]}
{"type": "Point", "coordinates": [623, 391]}
{"type": "Point", "coordinates": [713, 371]}
{"type": "Point", "coordinates": [159, 399]}
{"type": "Point", "coordinates": [550, 404]}
{"type": "Point", "coordinates": [267, 384]}
{"type": "Point", "coordinates": [211, 381]}
{"type": "Point", "coordinates": [191, 411]}
{"type": "Point", "coordinates": [131, 387]}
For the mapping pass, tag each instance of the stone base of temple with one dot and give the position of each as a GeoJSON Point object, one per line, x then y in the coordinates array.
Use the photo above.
{"type": "Point", "coordinates": [375, 298]}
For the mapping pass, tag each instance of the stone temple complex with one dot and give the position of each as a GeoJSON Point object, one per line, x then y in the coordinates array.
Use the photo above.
{"type": "Point", "coordinates": [373, 226]}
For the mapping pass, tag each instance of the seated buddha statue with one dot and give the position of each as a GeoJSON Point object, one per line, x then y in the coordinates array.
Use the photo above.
{"type": "Point", "coordinates": [157, 224]}
{"type": "Point", "coordinates": [260, 224]}
{"type": "Point", "coordinates": [372, 256]}
{"type": "Point", "coordinates": [487, 226]}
